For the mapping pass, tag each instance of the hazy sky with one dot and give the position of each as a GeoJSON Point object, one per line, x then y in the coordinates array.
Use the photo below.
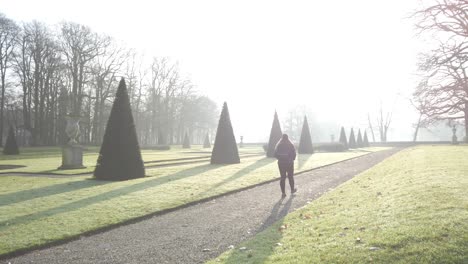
{"type": "Point", "coordinates": [340, 58]}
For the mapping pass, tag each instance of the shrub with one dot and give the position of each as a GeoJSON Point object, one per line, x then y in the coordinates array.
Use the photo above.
{"type": "Point", "coordinates": [186, 143]}
{"type": "Point", "coordinates": [305, 143]}
{"type": "Point", "coordinates": [359, 142]}
{"type": "Point", "coordinates": [275, 136]}
{"type": "Point", "coordinates": [352, 140]}
{"type": "Point", "coordinates": [329, 147]}
{"type": "Point", "coordinates": [365, 141]}
{"type": "Point", "coordinates": [206, 143]}
{"type": "Point", "coordinates": [225, 147]}
{"type": "Point", "coordinates": [159, 147]}
{"type": "Point", "coordinates": [120, 156]}
{"type": "Point", "coordinates": [11, 147]}
{"type": "Point", "coordinates": [343, 139]}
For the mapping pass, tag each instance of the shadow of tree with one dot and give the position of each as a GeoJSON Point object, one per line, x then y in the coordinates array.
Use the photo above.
{"type": "Point", "coordinates": [302, 160]}
{"type": "Point", "coordinates": [104, 196]}
{"type": "Point", "coordinates": [254, 166]}
{"type": "Point", "coordinates": [21, 196]}
{"type": "Point", "coordinates": [255, 255]}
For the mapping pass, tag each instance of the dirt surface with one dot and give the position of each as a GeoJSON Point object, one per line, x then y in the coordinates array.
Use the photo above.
{"type": "Point", "coordinates": [205, 230]}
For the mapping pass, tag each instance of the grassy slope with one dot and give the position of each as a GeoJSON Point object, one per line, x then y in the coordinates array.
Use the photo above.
{"type": "Point", "coordinates": [411, 208]}
{"type": "Point", "coordinates": [37, 210]}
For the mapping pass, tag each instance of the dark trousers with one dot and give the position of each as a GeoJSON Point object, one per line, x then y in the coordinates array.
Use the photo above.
{"type": "Point", "coordinates": [286, 170]}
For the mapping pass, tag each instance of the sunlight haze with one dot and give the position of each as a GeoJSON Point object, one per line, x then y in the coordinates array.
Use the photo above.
{"type": "Point", "coordinates": [338, 58]}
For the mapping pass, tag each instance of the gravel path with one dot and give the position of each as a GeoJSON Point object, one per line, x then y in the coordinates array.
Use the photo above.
{"type": "Point", "coordinates": [203, 231]}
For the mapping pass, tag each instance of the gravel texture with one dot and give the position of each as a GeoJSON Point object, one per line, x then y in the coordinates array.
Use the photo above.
{"type": "Point", "coordinates": [203, 231]}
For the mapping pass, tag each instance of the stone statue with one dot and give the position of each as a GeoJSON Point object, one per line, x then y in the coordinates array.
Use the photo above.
{"type": "Point", "coordinates": [72, 129]}
{"type": "Point", "coordinates": [72, 152]}
{"type": "Point", "coordinates": [454, 137]}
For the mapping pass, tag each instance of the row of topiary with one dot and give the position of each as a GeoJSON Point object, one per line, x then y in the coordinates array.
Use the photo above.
{"type": "Point", "coordinates": [305, 142]}
{"type": "Point", "coordinates": [120, 157]}
{"type": "Point", "coordinates": [353, 143]}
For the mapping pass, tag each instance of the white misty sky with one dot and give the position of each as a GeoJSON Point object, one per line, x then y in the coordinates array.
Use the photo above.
{"type": "Point", "coordinates": [340, 58]}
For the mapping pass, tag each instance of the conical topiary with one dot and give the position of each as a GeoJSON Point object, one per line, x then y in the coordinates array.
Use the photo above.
{"type": "Point", "coordinates": [352, 140]}
{"type": "Point", "coordinates": [275, 136]}
{"type": "Point", "coordinates": [365, 140]}
{"type": "Point", "coordinates": [186, 143]}
{"type": "Point", "coordinates": [11, 147]}
{"type": "Point", "coordinates": [305, 144]}
{"type": "Point", "coordinates": [359, 142]}
{"type": "Point", "coordinates": [120, 156]}
{"type": "Point", "coordinates": [343, 139]}
{"type": "Point", "coordinates": [225, 147]}
{"type": "Point", "coordinates": [206, 143]}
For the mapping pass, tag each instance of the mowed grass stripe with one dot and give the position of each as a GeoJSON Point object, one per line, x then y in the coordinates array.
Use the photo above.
{"type": "Point", "coordinates": [411, 208]}
{"type": "Point", "coordinates": [39, 210]}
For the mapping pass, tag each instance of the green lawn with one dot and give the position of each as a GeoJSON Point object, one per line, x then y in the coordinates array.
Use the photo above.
{"type": "Point", "coordinates": [48, 159]}
{"type": "Point", "coordinates": [411, 208]}
{"type": "Point", "coordinates": [40, 210]}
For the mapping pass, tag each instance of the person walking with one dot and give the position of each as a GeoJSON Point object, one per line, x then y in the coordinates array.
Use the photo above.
{"type": "Point", "coordinates": [285, 152]}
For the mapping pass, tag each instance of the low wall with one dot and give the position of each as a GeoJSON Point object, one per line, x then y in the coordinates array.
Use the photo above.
{"type": "Point", "coordinates": [407, 143]}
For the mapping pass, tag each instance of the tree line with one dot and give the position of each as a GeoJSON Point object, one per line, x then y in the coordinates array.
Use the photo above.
{"type": "Point", "coordinates": [50, 72]}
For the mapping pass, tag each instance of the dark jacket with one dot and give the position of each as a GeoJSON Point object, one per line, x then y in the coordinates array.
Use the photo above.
{"type": "Point", "coordinates": [285, 152]}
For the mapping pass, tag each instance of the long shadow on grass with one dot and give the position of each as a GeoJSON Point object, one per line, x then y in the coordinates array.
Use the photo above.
{"type": "Point", "coordinates": [260, 251]}
{"type": "Point", "coordinates": [254, 166]}
{"type": "Point", "coordinates": [21, 196]}
{"type": "Point", "coordinates": [108, 195]}
{"type": "Point", "coordinates": [302, 160]}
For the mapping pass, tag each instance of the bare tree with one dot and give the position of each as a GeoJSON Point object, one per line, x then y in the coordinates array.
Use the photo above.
{"type": "Point", "coordinates": [103, 72]}
{"type": "Point", "coordinates": [371, 127]}
{"type": "Point", "coordinates": [450, 16]}
{"type": "Point", "coordinates": [80, 45]}
{"type": "Point", "coordinates": [8, 33]}
{"type": "Point", "coordinates": [444, 84]}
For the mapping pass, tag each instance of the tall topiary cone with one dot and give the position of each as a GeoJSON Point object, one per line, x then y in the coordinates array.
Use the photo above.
{"type": "Point", "coordinates": [275, 136]}
{"type": "Point", "coordinates": [11, 148]}
{"type": "Point", "coordinates": [305, 144]}
{"type": "Point", "coordinates": [343, 139]}
{"type": "Point", "coordinates": [120, 158]}
{"type": "Point", "coordinates": [365, 141]}
{"type": "Point", "coordinates": [359, 142]}
{"type": "Point", "coordinates": [352, 140]}
{"type": "Point", "coordinates": [186, 143]}
{"type": "Point", "coordinates": [207, 143]}
{"type": "Point", "coordinates": [225, 146]}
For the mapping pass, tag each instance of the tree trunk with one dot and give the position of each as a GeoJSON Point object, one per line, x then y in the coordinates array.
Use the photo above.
{"type": "Point", "coordinates": [2, 106]}
{"type": "Point", "coordinates": [415, 136]}
{"type": "Point", "coordinates": [466, 121]}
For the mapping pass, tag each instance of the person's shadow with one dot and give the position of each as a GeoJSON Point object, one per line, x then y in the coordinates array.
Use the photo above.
{"type": "Point", "coordinates": [279, 211]}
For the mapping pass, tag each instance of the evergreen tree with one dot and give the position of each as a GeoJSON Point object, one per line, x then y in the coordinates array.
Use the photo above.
{"type": "Point", "coordinates": [120, 156]}
{"type": "Point", "coordinates": [207, 143]}
{"type": "Point", "coordinates": [305, 144]}
{"type": "Point", "coordinates": [186, 143]}
{"type": "Point", "coordinates": [275, 136]}
{"type": "Point", "coordinates": [11, 148]}
{"type": "Point", "coordinates": [366, 141]}
{"type": "Point", "coordinates": [352, 140]}
{"type": "Point", "coordinates": [359, 142]}
{"type": "Point", "coordinates": [343, 139]}
{"type": "Point", "coordinates": [225, 147]}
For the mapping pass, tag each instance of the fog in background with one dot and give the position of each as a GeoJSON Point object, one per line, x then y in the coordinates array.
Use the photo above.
{"type": "Point", "coordinates": [336, 61]}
